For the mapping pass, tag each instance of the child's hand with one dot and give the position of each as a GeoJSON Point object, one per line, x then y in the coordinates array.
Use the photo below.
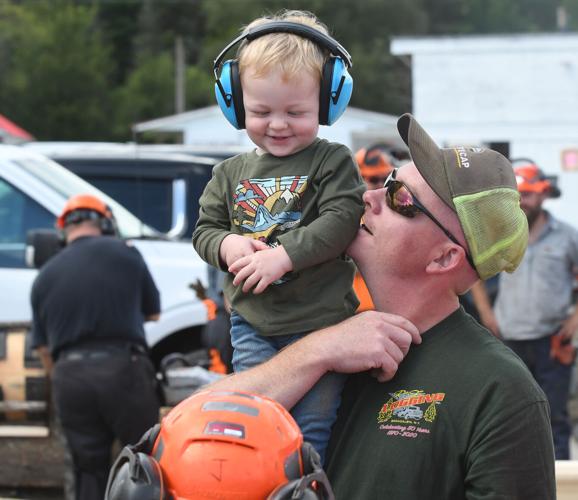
{"type": "Point", "coordinates": [261, 269]}
{"type": "Point", "coordinates": [235, 246]}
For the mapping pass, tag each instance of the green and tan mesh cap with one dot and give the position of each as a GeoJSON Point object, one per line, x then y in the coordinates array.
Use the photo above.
{"type": "Point", "coordinates": [479, 185]}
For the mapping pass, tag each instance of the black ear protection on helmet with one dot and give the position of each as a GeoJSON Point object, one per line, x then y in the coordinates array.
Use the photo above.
{"type": "Point", "coordinates": [336, 82]}
{"type": "Point", "coordinates": [373, 152]}
{"type": "Point", "coordinates": [107, 223]}
{"type": "Point", "coordinates": [137, 475]}
{"type": "Point", "coordinates": [312, 485]}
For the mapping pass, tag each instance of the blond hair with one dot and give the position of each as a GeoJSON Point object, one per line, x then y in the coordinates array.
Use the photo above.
{"type": "Point", "coordinates": [292, 54]}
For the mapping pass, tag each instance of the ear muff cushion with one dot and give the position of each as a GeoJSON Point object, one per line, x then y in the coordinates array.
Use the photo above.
{"type": "Point", "coordinates": [341, 88]}
{"type": "Point", "coordinates": [237, 92]}
{"type": "Point", "coordinates": [325, 90]}
{"type": "Point", "coordinates": [283, 492]}
{"type": "Point", "coordinates": [224, 93]}
{"type": "Point", "coordinates": [287, 492]}
{"type": "Point", "coordinates": [310, 457]}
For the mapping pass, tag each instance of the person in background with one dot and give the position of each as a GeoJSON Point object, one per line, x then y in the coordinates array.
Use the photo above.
{"type": "Point", "coordinates": [89, 303]}
{"type": "Point", "coordinates": [374, 165]}
{"type": "Point", "coordinates": [533, 312]}
{"type": "Point", "coordinates": [216, 333]}
{"type": "Point", "coordinates": [279, 218]}
{"type": "Point", "coordinates": [458, 415]}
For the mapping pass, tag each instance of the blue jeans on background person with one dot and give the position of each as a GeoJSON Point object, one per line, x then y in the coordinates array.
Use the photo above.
{"type": "Point", "coordinates": [316, 412]}
{"type": "Point", "coordinates": [554, 379]}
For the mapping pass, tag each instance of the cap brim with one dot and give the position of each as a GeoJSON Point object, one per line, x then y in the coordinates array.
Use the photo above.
{"type": "Point", "coordinates": [426, 155]}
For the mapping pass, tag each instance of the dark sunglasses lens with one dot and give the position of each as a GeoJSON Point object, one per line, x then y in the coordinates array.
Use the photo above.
{"type": "Point", "coordinates": [376, 180]}
{"type": "Point", "coordinates": [400, 200]}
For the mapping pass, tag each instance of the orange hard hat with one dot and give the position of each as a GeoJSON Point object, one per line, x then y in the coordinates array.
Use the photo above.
{"type": "Point", "coordinates": [531, 179]}
{"type": "Point", "coordinates": [239, 445]}
{"type": "Point", "coordinates": [83, 202]}
{"type": "Point", "coordinates": [373, 162]}
{"type": "Point", "coordinates": [220, 444]}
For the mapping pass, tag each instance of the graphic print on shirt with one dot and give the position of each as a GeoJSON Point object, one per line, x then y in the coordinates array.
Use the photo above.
{"type": "Point", "coordinates": [409, 414]}
{"type": "Point", "coordinates": [265, 208]}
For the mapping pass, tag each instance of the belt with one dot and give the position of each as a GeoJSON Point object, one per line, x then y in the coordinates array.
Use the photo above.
{"type": "Point", "coordinates": [100, 352]}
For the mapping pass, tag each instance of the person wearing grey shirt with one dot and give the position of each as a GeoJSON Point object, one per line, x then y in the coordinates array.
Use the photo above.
{"type": "Point", "coordinates": [534, 312]}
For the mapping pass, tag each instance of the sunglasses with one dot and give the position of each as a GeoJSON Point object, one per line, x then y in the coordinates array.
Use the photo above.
{"type": "Point", "coordinates": [401, 200]}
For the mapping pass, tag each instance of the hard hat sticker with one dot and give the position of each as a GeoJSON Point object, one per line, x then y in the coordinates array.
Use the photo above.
{"type": "Point", "coordinates": [229, 406]}
{"type": "Point", "coordinates": [225, 429]}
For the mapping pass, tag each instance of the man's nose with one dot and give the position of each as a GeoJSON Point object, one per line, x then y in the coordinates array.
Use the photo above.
{"type": "Point", "coordinates": [374, 199]}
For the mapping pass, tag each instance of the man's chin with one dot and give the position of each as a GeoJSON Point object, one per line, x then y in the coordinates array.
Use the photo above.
{"type": "Point", "coordinates": [354, 248]}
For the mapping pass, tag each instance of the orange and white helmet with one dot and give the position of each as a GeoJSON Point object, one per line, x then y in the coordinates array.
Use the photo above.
{"type": "Point", "coordinates": [220, 444]}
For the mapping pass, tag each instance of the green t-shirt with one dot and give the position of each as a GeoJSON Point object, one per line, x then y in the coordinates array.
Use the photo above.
{"type": "Point", "coordinates": [309, 202]}
{"type": "Point", "coordinates": [462, 418]}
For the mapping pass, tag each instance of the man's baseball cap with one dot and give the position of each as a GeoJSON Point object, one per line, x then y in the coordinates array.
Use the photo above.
{"type": "Point", "coordinates": [531, 179]}
{"type": "Point", "coordinates": [479, 185]}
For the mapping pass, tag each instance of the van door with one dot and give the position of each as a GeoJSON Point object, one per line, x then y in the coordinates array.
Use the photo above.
{"type": "Point", "coordinates": [18, 214]}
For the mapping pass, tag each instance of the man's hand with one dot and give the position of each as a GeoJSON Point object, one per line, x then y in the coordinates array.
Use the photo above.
{"type": "Point", "coordinates": [368, 341]}
{"type": "Point", "coordinates": [488, 319]}
{"type": "Point", "coordinates": [261, 269]}
{"type": "Point", "coordinates": [570, 326]}
{"type": "Point", "coordinates": [234, 246]}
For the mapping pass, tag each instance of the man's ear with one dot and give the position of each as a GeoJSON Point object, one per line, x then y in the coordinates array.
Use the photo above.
{"type": "Point", "coordinates": [447, 258]}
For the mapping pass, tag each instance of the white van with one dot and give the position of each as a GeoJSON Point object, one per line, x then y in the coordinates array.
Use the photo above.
{"type": "Point", "coordinates": [33, 191]}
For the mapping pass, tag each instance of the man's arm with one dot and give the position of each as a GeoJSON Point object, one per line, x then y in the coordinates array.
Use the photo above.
{"type": "Point", "coordinates": [482, 302]}
{"type": "Point", "coordinates": [368, 341]}
{"type": "Point", "coordinates": [45, 359]}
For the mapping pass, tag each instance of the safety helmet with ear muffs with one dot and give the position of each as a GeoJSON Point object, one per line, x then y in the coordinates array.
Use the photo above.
{"type": "Point", "coordinates": [336, 83]}
{"type": "Point", "coordinates": [373, 161]}
{"type": "Point", "coordinates": [220, 444]}
{"type": "Point", "coordinates": [86, 207]}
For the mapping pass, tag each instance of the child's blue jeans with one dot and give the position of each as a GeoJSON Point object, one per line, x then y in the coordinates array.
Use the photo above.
{"type": "Point", "coordinates": [316, 412]}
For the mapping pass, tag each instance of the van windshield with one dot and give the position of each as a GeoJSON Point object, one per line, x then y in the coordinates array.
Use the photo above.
{"type": "Point", "coordinates": [68, 184]}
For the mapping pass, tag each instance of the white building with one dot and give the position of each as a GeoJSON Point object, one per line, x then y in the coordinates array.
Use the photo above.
{"type": "Point", "coordinates": [208, 127]}
{"type": "Point", "coordinates": [515, 93]}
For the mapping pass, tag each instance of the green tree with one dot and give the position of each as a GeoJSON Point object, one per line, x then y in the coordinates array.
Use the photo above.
{"type": "Point", "coordinates": [149, 93]}
{"type": "Point", "coordinates": [55, 80]}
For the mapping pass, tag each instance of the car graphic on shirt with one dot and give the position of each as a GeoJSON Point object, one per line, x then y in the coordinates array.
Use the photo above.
{"type": "Point", "coordinates": [407, 412]}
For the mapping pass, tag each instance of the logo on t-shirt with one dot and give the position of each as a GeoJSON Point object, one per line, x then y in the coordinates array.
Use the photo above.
{"type": "Point", "coordinates": [409, 413]}
{"type": "Point", "coordinates": [263, 208]}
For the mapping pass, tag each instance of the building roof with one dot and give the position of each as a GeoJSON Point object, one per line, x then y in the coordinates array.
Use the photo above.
{"type": "Point", "coordinates": [176, 123]}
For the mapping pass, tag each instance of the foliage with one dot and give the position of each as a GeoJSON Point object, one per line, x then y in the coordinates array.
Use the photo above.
{"type": "Point", "coordinates": [54, 80]}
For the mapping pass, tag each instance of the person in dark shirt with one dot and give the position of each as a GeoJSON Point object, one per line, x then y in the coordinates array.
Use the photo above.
{"type": "Point", "coordinates": [455, 414]}
{"type": "Point", "coordinates": [89, 303]}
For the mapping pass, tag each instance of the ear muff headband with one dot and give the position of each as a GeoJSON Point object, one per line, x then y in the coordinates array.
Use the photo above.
{"type": "Point", "coordinates": [336, 83]}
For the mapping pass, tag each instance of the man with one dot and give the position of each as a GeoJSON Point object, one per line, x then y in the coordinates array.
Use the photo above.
{"type": "Point", "coordinates": [462, 418]}
{"type": "Point", "coordinates": [532, 309]}
{"type": "Point", "coordinates": [89, 302]}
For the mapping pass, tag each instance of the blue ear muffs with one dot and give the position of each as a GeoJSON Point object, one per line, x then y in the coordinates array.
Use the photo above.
{"type": "Point", "coordinates": [336, 89]}
{"type": "Point", "coordinates": [229, 94]}
{"type": "Point", "coordinates": [336, 82]}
